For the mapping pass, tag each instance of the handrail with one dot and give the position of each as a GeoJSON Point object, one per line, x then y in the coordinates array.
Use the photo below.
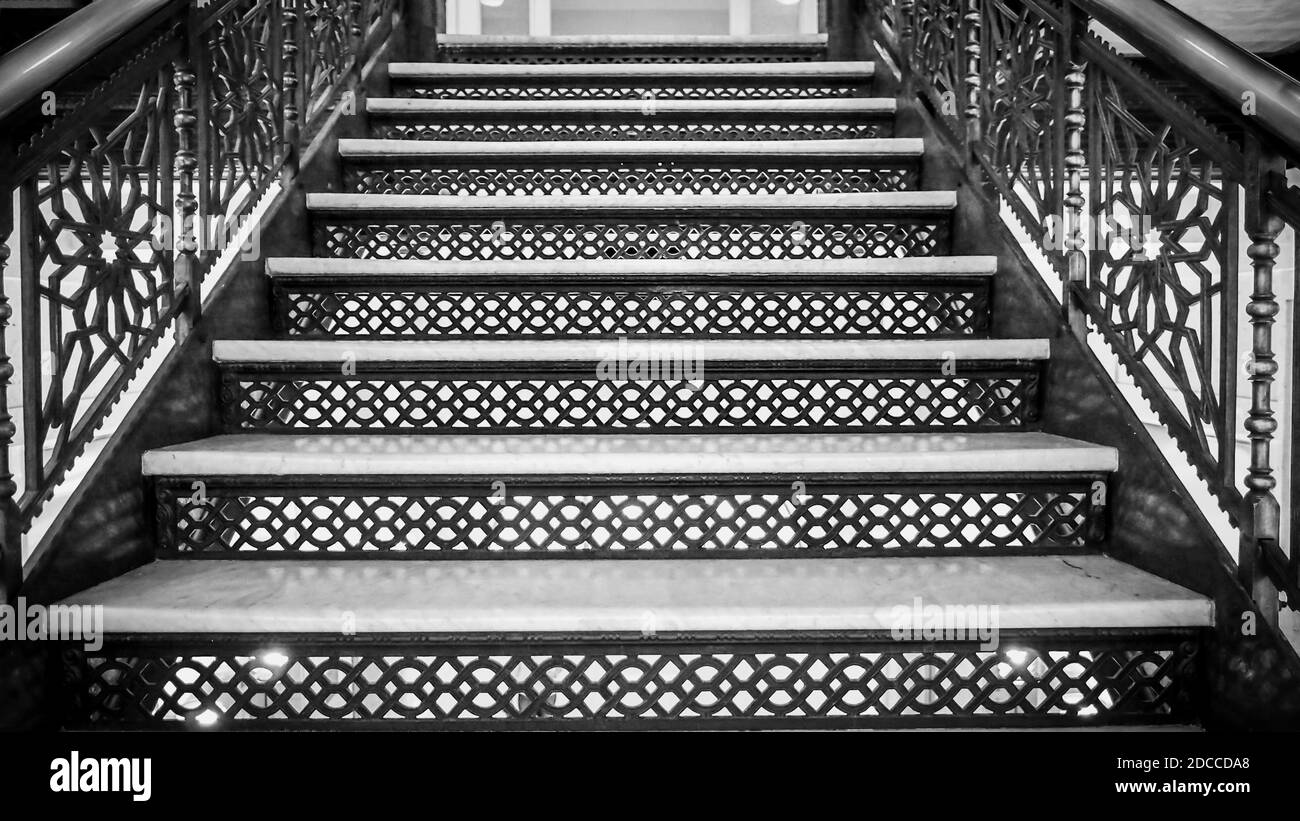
{"type": "Point", "coordinates": [1166, 34]}
{"type": "Point", "coordinates": [54, 54]}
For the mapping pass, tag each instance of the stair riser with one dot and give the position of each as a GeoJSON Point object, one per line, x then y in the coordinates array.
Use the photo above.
{"type": "Point", "coordinates": [653, 681]}
{"type": "Point", "coordinates": [526, 87]}
{"type": "Point", "coordinates": [676, 390]}
{"type": "Point", "coordinates": [518, 127]}
{"type": "Point", "coordinates": [542, 175]}
{"type": "Point", "coordinates": [798, 235]}
{"type": "Point", "coordinates": [434, 309]}
{"type": "Point", "coordinates": [525, 54]}
{"type": "Point", "coordinates": [500, 517]}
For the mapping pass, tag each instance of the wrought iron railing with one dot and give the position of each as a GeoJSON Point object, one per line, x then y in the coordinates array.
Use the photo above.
{"type": "Point", "coordinates": [133, 130]}
{"type": "Point", "coordinates": [1071, 134]}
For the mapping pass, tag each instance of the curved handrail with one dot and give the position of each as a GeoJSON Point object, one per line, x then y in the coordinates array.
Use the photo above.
{"type": "Point", "coordinates": [54, 54]}
{"type": "Point", "coordinates": [1166, 34]}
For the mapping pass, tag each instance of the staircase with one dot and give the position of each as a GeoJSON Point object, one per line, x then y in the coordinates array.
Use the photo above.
{"type": "Point", "coordinates": [635, 394]}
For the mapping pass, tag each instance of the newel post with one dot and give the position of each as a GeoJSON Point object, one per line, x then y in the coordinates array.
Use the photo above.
{"type": "Point", "coordinates": [1261, 516]}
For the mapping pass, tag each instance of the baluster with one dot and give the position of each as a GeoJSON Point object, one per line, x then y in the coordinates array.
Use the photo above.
{"type": "Point", "coordinates": [1074, 121]}
{"type": "Point", "coordinates": [357, 33]}
{"type": "Point", "coordinates": [11, 548]}
{"type": "Point", "coordinates": [1261, 516]}
{"type": "Point", "coordinates": [974, 84]}
{"type": "Point", "coordinates": [420, 19]}
{"type": "Point", "coordinates": [906, 36]}
{"type": "Point", "coordinates": [187, 269]}
{"type": "Point", "coordinates": [1075, 241]}
{"type": "Point", "coordinates": [289, 49]}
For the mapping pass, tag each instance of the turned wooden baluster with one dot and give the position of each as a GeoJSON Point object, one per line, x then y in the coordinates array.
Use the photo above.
{"type": "Point", "coordinates": [1261, 514]}
{"type": "Point", "coordinates": [974, 84]}
{"type": "Point", "coordinates": [906, 37]}
{"type": "Point", "coordinates": [186, 278]}
{"type": "Point", "coordinates": [11, 549]}
{"type": "Point", "coordinates": [291, 80]}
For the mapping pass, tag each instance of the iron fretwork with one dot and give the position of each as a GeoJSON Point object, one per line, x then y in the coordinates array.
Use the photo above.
{"type": "Point", "coordinates": [539, 398]}
{"type": "Point", "coordinates": [526, 87]}
{"type": "Point", "coordinates": [608, 517]}
{"type": "Point", "coordinates": [448, 308]}
{"type": "Point", "coordinates": [798, 236]}
{"type": "Point", "coordinates": [540, 175]}
{"type": "Point", "coordinates": [741, 680]}
{"type": "Point", "coordinates": [659, 127]}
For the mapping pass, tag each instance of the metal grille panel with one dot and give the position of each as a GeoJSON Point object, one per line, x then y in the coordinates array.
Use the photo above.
{"type": "Point", "coordinates": [734, 680]}
{"type": "Point", "coordinates": [648, 92]}
{"type": "Point", "coordinates": [590, 131]}
{"type": "Point", "coordinates": [596, 239]}
{"type": "Point", "coordinates": [934, 309]}
{"type": "Point", "coordinates": [626, 178]}
{"type": "Point", "coordinates": [505, 517]}
{"type": "Point", "coordinates": [423, 402]}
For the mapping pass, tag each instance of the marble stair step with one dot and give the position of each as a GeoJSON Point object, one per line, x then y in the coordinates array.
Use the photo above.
{"type": "Point", "coordinates": [805, 454]}
{"type": "Point", "coordinates": [863, 151]}
{"type": "Point", "coordinates": [355, 206]}
{"type": "Point", "coordinates": [708, 351]}
{"type": "Point", "coordinates": [678, 270]}
{"type": "Point", "coordinates": [784, 108]}
{"type": "Point", "coordinates": [1023, 593]}
{"type": "Point", "coordinates": [708, 73]}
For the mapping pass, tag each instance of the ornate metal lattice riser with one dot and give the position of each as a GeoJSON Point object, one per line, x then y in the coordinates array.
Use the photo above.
{"type": "Point", "coordinates": [630, 177]}
{"type": "Point", "coordinates": [801, 236]}
{"type": "Point", "coordinates": [659, 127]}
{"type": "Point", "coordinates": [593, 682]}
{"type": "Point", "coordinates": [557, 309]}
{"type": "Point", "coordinates": [679, 391]}
{"type": "Point", "coordinates": [632, 517]}
{"type": "Point", "coordinates": [522, 54]}
{"type": "Point", "coordinates": [602, 89]}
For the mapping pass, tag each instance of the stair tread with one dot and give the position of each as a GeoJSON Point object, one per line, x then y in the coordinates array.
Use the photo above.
{"type": "Point", "coordinates": [622, 454]}
{"type": "Point", "coordinates": [891, 201]}
{"type": "Point", "coordinates": [948, 266]}
{"type": "Point", "coordinates": [863, 149]}
{"type": "Point", "coordinates": [597, 349]}
{"type": "Point", "coordinates": [875, 594]}
{"type": "Point", "coordinates": [830, 105]}
{"type": "Point", "coordinates": [704, 71]}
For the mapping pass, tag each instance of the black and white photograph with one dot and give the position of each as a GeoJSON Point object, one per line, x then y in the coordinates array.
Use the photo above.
{"type": "Point", "coordinates": [849, 375]}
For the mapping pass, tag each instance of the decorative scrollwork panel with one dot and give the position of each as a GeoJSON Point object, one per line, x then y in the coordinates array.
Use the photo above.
{"type": "Point", "coordinates": [1163, 289]}
{"type": "Point", "coordinates": [100, 271]}
{"type": "Point", "coordinates": [1018, 115]}
{"type": "Point", "coordinates": [244, 105]}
